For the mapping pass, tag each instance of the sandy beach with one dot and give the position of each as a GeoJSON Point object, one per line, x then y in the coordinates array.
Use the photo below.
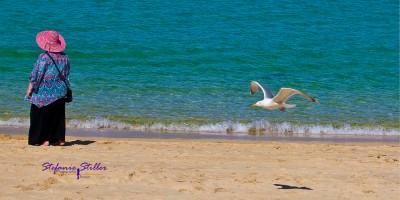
{"type": "Point", "coordinates": [118, 168]}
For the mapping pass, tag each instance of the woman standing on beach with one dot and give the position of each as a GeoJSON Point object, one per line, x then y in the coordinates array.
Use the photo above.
{"type": "Point", "coordinates": [47, 91]}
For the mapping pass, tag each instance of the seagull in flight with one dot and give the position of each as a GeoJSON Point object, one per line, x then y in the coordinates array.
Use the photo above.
{"type": "Point", "coordinates": [272, 102]}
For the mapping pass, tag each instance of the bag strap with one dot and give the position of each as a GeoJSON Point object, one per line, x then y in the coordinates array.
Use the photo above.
{"type": "Point", "coordinates": [62, 77]}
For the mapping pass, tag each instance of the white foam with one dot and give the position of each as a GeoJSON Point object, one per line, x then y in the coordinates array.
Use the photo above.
{"type": "Point", "coordinates": [256, 127]}
{"type": "Point", "coordinates": [99, 123]}
{"type": "Point", "coordinates": [15, 122]}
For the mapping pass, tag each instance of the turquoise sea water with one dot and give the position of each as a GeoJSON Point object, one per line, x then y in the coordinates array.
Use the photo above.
{"type": "Point", "coordinates": [187, 65]}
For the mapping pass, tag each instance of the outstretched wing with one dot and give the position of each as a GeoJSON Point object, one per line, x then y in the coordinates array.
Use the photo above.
{"type": "Point", "coordinates": [285, 93]}
{"type": "Point", "coordinates": [254, 89]}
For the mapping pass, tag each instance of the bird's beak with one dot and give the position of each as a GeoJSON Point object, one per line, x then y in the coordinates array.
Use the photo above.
{"type": "Point", "coordinates": [254, 105]}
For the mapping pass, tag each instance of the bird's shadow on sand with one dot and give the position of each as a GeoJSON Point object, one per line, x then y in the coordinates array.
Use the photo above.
{"type": "Point", "coordinates": [79, 142]}
{"type": "Point", "coordinates": [289, 187]}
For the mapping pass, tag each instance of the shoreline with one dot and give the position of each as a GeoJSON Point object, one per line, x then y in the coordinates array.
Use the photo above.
{"type": "Point", "coordinates": [255, 128]}
{"type": "Point", "coordinates": [107, 133]}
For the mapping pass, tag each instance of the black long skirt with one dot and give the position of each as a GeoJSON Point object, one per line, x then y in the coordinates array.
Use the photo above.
{"type": "Point", "coordinates": [47, 123]}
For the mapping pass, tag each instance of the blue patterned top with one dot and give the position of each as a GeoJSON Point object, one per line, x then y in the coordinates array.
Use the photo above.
{"type": "Point", "coordinates": [47, 84]}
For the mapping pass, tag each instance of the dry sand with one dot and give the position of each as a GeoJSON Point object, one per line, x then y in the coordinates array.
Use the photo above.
{"type": "Point", "coordinates": [199, 169]}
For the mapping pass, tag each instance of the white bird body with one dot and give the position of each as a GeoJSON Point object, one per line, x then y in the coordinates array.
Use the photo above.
{"type": "Point", "coordinates": [272, 102]}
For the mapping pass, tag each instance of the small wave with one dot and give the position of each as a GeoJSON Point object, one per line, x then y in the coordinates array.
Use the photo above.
{"type": "Point", "coordinates": [15, 122]}
{"type": "Point", "coordinates": [261, 127]}
{"type": "Point", "coordinates": [99, 123]}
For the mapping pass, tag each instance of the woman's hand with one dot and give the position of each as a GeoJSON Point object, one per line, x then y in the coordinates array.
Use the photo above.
{"type": "Point", "coordinates": [29, 91]}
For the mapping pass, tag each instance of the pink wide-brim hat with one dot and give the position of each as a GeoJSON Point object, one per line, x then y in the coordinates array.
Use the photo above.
{"type": "Point", "coordinates": [50, 41]}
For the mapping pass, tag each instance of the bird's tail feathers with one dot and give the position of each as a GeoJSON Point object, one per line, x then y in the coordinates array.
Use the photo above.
{"type": "Point", "coordinates": [284, 106]}
{"type": "Point", "coordinates": [288, 105]}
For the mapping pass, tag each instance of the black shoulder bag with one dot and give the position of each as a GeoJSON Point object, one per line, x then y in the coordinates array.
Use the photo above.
{"type": "Point", "coordinates": [69, 91]}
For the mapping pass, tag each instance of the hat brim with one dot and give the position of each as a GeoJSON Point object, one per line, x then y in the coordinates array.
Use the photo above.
{"type": "Point", "coordinates": [43, 43]}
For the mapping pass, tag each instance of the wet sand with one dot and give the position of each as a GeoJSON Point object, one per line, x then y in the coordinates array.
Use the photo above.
{"type": "Point", "coordinates": [140, 168]}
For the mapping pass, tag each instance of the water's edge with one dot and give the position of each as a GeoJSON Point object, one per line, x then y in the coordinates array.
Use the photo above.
{"type": "Point", "coordinates": [93, 133]}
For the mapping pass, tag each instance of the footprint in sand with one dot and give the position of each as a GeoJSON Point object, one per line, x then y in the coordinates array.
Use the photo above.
{"type": "Point", "coordinates": [46, 184]}
{"type": "Point", "coordinates": [216, 190]}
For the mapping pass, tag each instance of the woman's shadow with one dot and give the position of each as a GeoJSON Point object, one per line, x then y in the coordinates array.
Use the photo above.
{"type": "Point", "coordinates": [79, 142]}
